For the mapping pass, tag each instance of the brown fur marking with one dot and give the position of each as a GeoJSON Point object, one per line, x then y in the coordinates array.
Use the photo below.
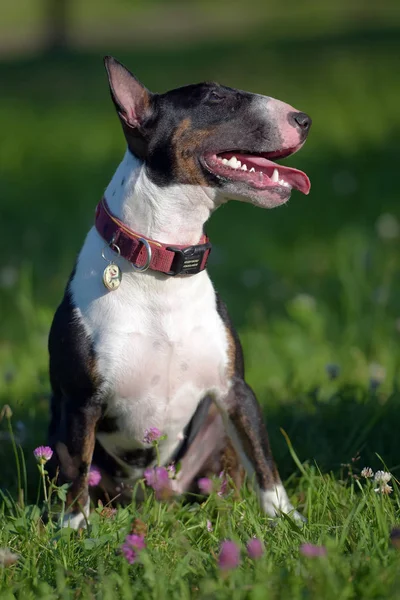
{"type": "Point", "coordinates": [231, 367]}
{"type": "Point", "coordinates": [267, 474]}
{"type": "Point", "coordinates": [75, 468]}
{"type": "Point", "coordinates": [230, 463]}
{"type": "Point", "coordinates": [186, 141]}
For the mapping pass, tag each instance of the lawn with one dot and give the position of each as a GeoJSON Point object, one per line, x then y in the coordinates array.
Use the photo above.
{"type": "Point", "coordinates": [314, 292]}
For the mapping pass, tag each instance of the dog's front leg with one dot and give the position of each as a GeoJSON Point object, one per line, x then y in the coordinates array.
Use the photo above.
{"type": "Point", "coordinates": [74, 449]}
{"type": "Point", "coordinates": [244, 424]}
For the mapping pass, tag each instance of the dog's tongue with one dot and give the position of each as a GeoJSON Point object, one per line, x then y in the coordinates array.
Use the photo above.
{"type": "Point", "coordinates": [294, 177]}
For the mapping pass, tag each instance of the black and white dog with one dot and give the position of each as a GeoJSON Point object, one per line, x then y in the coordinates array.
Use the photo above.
{"type": "Point", "coordinates": [141, 338]}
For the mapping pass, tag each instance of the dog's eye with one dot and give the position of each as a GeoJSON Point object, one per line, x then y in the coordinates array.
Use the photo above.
{"type": "Point", "coordinates": [215, 97]}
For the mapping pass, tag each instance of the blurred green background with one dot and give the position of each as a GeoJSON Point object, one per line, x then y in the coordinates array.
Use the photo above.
{"type": "Point", "coordinates": [315, 287]}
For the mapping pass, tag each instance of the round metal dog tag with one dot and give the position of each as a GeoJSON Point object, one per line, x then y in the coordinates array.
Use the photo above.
{"type": "Point", "coordinates": [112, 277]}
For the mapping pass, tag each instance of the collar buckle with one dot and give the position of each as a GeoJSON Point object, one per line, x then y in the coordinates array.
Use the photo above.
{"type": "Point", "coordinates": [190, 260]}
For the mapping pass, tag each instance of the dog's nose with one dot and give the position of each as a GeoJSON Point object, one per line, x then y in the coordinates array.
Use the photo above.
{"type": "Point", "coordinates": [301, 120]}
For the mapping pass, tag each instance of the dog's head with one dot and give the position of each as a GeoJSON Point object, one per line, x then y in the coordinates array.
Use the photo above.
{"type": "Point", "coordinates": [212, 136]}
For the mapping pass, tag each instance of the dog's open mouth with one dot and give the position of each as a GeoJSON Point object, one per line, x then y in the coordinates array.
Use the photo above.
{"type": "Point", "coordinates": [258, 170]}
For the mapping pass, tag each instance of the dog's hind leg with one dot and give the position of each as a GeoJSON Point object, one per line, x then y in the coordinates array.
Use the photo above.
{"type": "Point", "coordinates": [202, 449]}
{"type": "Point", "coordinates": [208, 451]}
{"type": "Point", "coordinates": [244, 424]}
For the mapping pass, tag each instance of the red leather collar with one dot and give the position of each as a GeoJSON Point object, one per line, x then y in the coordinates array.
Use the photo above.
{"type": "Point", "coordinates": [145, 253]}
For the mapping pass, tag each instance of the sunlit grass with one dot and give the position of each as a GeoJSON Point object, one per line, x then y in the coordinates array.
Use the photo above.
{"type": "Point", "coordinates": [346, 517]}
{"type": "Point", "coordinates": [314, 291]}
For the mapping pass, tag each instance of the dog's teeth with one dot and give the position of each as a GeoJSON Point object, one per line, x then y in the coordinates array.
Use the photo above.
{"type": "Point", "coordinates": [252, 170]}
{"type": "Point", "coordinates": [244, 167]}
{"type": "Point", "coordinates": [260, 175]}
{"type": "Point", "coordinates": [225, 161]}
{"type": "Point", "coordinates": [275, 176]}
{"type": "Point", "coordinates": [232, 162]}
{"type": "Point", "coordinates": [238, 164]}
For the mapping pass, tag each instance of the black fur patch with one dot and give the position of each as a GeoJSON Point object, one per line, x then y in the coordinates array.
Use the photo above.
{"type": "Point", "coordinates": [221, 119]}
{"type": "Point", "coordinates": [107, 425]}
{"type": "Point", "coordinates": [73, 370]}
{"type": "Point", "coordinates": [73, 373]}
{"type": "Point", "coordinates": [140, 458]}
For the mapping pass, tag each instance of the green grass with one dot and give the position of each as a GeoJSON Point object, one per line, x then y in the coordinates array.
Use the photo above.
{"type": "Point", "coordinates": [345, 516]}
{"type": "Point", "coordinates": [315, 283]}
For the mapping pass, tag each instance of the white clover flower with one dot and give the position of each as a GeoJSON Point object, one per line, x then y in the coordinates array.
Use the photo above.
{"type": "Point", "coordinates": [382, 477]}
{"type": "Point", "coordinates": [367, 472]}
{"type": "Point", "coordinates": [384, 489]}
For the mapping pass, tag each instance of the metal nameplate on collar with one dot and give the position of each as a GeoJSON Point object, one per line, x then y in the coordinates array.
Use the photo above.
{"type": "Point", "coordinates": [188, 261]}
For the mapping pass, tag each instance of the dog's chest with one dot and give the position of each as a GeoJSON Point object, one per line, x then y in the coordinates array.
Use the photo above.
{"type": "Point", "coordinates": [159, 345]}
{"type": "Point", "coordinates": [156, 378]}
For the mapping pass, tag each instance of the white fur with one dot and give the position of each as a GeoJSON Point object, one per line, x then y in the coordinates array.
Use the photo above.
{"type": "Point", "coordinates": [159, 341]}
{"type": "Point", "coordinates": [76, 521]}
{"type": "Point", "coordinates": [174, 214]}
{"type": "Point", "coordinates": [275, 501]}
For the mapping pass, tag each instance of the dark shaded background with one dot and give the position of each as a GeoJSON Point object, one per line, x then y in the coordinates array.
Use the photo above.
{"type": "Point", "coordinates": [314, 287]}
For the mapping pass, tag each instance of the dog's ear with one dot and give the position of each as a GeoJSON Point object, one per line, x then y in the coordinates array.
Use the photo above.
{"type": "Point", "coordinates": [132, 101]}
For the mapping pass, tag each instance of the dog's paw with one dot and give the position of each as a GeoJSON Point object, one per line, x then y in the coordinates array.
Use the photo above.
{"type": "Point", "coordinates": [176, 487]}
{"type": "Point", "coordinates": [275, 502]}
{"type": "Point", "coordinates": [77, 520]}
{"type": "Point", "coordinates": [74, 521]}
{"type": "Point", "coordinates": [298, 517]}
